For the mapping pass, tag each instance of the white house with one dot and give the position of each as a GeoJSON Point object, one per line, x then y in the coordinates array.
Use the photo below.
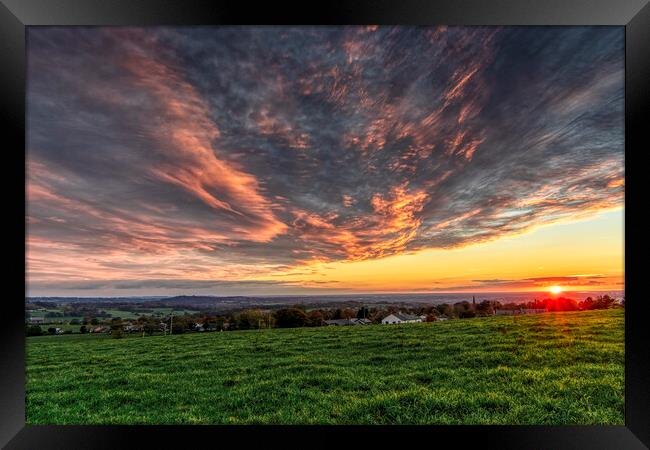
{"type": "Point", "coordinates": [400, 318]}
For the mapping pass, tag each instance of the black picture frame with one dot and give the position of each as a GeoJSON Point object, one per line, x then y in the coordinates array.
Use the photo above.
{"type": "Point", "coordinates": [15, 15]}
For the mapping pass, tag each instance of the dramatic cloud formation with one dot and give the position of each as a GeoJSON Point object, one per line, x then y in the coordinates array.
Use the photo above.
{"type": "Point", "coordinates": [189, 155]}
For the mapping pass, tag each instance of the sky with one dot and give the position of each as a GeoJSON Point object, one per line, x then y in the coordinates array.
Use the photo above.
{"type": "Point", "coordinates": [307, 160]}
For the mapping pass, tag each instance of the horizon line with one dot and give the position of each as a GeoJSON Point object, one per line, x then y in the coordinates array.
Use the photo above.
{"type": "Point", "coordinates": [329, 295]}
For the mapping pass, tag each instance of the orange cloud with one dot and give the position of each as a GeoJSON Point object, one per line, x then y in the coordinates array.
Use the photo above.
{"type": "Point", "coordinates": [387, 231]}
{"type": "Point", "coordinates": [192, 134]}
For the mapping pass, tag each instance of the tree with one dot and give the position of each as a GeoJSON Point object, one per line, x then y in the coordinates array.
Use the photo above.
{"type": "Point", "coordinates": [467, 314]}
{"type": "Point", "coordinates": [179, 324]}
{"type": "Point", "coordinates": [117, 328]}
{"type": "Point", "coordinates": [150, 326]}
{"type": "Point", "coordinates": [220, 323]}
{"type": "Point", "coordinates": [561, 304]}
{"type": "Point", "coordinates": [209, 323]}
{"type": "Point", "coordinates": [603, 302]}
{"type": "Point", "coordinates": [445, 309]}
{"type": "Point", "coordinates": [83, 329]}
{"type": "Point", "coordinates": [315, 318]}
{"type": "Point", "coordinates": [376, 314]}
{"type": "Point", "coordinates": [117, 333]}
{"type": "Point", "coordinates": [34, 330]}
{"type": "Point", "coordinates": [586, 304]}
{"type": "Point", "coordinates": [250, 319]}
{"type": "Point", "coordinates": [485, 308]}
{"type": "Point", "coordinates": [94, 321]}
{"type": "Point", "coordinates": [51, 330]}
{"type": "Point", "coordinates": [345, 313]}
{"type": "Point", "coordinates": [362, 313]}
{"type": "Point", "coordinates": [290, 318]}
{"type": "Point", "coordinates": [461, 308]}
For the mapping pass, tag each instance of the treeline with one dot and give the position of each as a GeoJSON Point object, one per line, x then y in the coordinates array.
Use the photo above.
{"type": "Point", "coordinates": [567, 304]}
{"type": "Point", "coordinates": [299, 316]}
{"type": "Point", "coordinates": [295, 316]}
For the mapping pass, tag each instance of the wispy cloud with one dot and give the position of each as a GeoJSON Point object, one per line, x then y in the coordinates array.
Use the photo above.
{"type": "Point", "coordinates": [234, 152]}
{"type": "Point", "coordinates": [533, 283]}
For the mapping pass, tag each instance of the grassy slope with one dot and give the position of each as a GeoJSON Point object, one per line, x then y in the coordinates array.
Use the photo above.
{"type": "Point", "coordinates": [543, 369]}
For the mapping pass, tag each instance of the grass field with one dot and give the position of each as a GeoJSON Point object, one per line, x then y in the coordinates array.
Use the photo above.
{"type": "Point", "coordinates": [562, 368]}
{"type": "Point", "coordinates": [126, 315]}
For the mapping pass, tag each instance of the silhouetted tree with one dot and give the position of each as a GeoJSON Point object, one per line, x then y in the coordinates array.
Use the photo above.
{"type": "Point", "coordinates": [250, 319]}
{"type": "Point", "coordinates": [117, 328]}
{"type": "Point", "coordinates": [603, 302]}
{"type": "Point", "coordinates": [484, 308]}
{"type": "Point", "coordinates": [432, 317]}
{"type": "Point", "coordinates": [561, 304]}
{"type": "Point", "coordinates": [315, 318]}
{"type": "Point", "coordinates": [467, 314]}
{"type": "Point", "coordinates": [445, 309]}
{"type": "Point", "coordinates": [290, 318]}
{"type": "Point", "coordinates": [362, 313]}
{"type": "Point", "coordinates": [33, 330]}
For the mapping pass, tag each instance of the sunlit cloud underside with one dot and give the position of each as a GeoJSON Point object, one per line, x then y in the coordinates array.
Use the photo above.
{"type": "Point", "coordinates": [308, 159]}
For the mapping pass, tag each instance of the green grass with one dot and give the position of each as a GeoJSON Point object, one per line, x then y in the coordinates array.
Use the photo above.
{"type": "Point", "coordinates": [63, 322]}
{"type": "Point", "coordinates": [129, 315]}
{"type": "Point", "coordinates": [126, 315]}
{"type": "Point", "coordinates": [564, 368]}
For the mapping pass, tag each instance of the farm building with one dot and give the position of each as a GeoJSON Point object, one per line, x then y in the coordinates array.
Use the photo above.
{"type": "Point", "coordinates": [36, 320]}
{"type": "Point", "coordinates": [401, 318]}
{"type": "Point", "coordinates": [347, 322]}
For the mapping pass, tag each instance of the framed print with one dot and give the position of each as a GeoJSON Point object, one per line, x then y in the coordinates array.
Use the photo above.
{"type": "Point", "coordinates": [368, 221]}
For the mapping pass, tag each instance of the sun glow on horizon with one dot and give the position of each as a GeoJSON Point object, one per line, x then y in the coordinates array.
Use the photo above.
{"type": "Point", "coordinates": [555, 290]}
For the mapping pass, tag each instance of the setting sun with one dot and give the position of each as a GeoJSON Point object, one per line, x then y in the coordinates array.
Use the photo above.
{"type": "Point", "coordinates": [555, 289]}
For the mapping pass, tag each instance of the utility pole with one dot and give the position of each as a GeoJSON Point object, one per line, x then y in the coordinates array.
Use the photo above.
{"type": "Point", "coordinates": [171, 316]}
